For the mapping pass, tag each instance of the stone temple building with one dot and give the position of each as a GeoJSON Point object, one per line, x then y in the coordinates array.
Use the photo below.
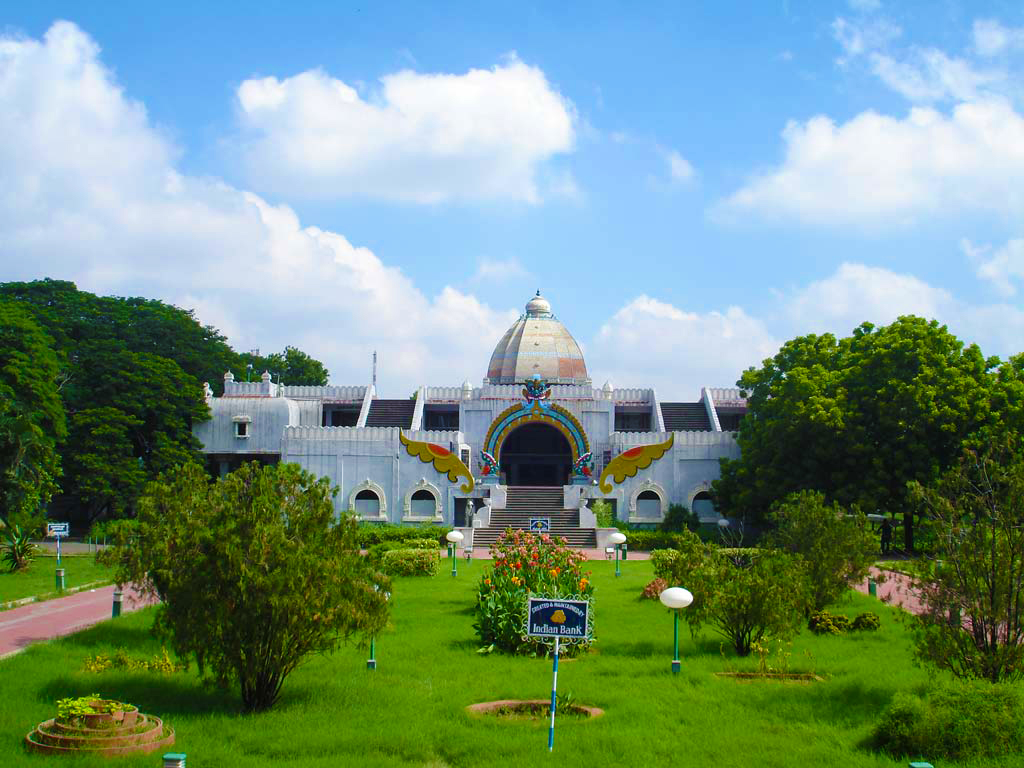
{"type": "Point", "coordinates": [536, 440]}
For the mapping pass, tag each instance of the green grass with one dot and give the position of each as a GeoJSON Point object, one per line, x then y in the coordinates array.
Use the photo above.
{"type": "Point", "coordinates": [39, 579]}
{"type": "Point", "coordinates": [410, 712]}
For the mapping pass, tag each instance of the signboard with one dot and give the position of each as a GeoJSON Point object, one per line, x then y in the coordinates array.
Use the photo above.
{"type": "Point", "coordinates": [565, 619]}
{"type": "Point", "coordinates": [58, 530]}
{"type": "Point", "coordinates": [540, 525]}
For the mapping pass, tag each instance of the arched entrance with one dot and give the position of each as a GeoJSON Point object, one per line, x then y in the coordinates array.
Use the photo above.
{"type": "Point", "coordinates": [536, 454]}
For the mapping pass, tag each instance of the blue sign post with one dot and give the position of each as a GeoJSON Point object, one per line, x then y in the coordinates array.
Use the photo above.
{"type": "Point", "coordinates": [540, 525]}
{"type": "Point", "coordinates": [58, 531]}
{"type": "Point", "coordinates": [560, 619]}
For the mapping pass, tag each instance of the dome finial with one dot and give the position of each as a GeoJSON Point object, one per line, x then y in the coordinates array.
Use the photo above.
{"type": "Point", "coordinates": [538, 306]}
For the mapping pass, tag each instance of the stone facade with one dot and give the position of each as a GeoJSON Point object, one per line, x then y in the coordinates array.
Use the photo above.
{"type": "Point", "coordinates": [557, 434]}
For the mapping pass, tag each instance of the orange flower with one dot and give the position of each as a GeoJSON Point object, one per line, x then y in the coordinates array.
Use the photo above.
{"type": "Point", "coordinates": [583, 583]}
{"type": "Point", "coordinates": [555, 572]}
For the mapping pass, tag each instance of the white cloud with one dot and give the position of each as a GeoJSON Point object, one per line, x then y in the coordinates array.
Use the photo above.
{"type": "Point", "coordinates": [925, 75]}
{"type": "Point", "coordinates": [425, 138]}
{"type": "Point", "coordinates": [679, 167]}
{"type": "Point", "coordinates": [857, 293]}
{"type": "Point", "coordinates": [1001, 266]}
{"type": "Point", "coordinates": [929, 75]}
{"type": "Point", "coordinates": [856, 38]}
{"type": "Point", "coordinates": [991, 38]}
{"type": "Point", "coordinates": [651, 343]}
{"type": "Point", "coordinates": [90, 193]}
{"type": "Point", "coordinates": [878, 170]}
{"type": "Point", "coordinates": [500, 271]}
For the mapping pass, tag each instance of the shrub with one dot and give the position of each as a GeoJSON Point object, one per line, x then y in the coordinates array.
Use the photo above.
{"type": "Point", "coordinates": [254, 573]}
{"type": "Point", "coordinates": [679, 518]}
{"type": "Point", "coordinates": [825, 623]}
{"type": "Point", "coordinates": [837, 549]}
{"type": "Point", "coordinates": [648, 541]}
{"type": "Point", "coordinates": [653, 589]}
{"type": "Point", "coordinates": [411, 562]}
{"type": "Point", "coordinates": [377, 551]}
{"type": "Point", "coordinates": [17, 547]}
{"type": "Point", "coordinates": [957, 722]}
{"type": "Point", "coordinates": [663, 561]}
{"type": "Point", "coordinates": [972, 622]}
{"type": "Point", "coordinates": [745, 596]}
{"type": "Point", "coordinates": [603, 512]}
{"type": "Point", "coordinates": [524, 565]}
{"type": "Point", "coordinates": [369, 534]}
{"type": "Point", "coordinates": [869, 622]}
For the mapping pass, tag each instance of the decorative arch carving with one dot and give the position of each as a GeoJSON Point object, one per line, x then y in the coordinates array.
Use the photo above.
{"type": "Point", "coordinates": [647, 485]}
{"type": "Point", "coordinates": [423, 485]}
{"type": "Point", "coordinates": [536, 412]}
{"type": "Point", "coordinates": [369, 485]}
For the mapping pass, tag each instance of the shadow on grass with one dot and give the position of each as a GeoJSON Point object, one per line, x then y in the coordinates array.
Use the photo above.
{"type": "Point", "coordinates": [154, 694]}
{"type": "Point", "coordinates": [852, 701]}
{"type": "Point", "coordinates": [113, 633]}
{"type": "Point", "coordinates": [640, 649]}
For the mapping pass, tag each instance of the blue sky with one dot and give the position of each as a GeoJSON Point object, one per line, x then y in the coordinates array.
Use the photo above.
{"type": "Point", "coordinates": [689, 184]}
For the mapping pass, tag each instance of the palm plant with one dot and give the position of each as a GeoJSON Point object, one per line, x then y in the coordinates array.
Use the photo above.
{"type": "Point", "coordinates": [17, 547]}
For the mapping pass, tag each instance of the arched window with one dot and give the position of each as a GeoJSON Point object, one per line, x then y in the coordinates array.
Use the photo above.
{"type": "Point", "coordinates": [367, 504]}
{"type": "Point", "coordinates": [648, 505]}
{"type": "Point", "coordinates": [423, 504]}
{"type": "Point", "coordinates": [702, 506]}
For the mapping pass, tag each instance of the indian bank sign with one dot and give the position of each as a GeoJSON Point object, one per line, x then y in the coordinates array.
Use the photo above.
{"type": "Point", "coordinates": [557, 618]}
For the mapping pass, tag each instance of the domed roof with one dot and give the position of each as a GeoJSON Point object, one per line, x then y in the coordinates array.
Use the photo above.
{"type": "Point", "coordinates": [537, 344]}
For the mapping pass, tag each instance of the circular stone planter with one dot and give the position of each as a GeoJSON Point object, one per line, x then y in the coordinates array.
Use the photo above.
{"type": "Point", "coordinates": [530, 709]}
{"type": "Point", "coordinates": [133, 734]}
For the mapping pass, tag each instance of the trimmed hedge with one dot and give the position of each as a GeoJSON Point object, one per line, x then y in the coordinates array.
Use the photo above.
{"type": "Point", "coordinates": [376, 533]}
{"type": "Point", "coordinates": [411, 562]}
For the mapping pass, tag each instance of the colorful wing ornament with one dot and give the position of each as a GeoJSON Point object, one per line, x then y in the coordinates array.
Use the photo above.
{"type": "Point", "coordinates": [628, 463]}
{"type": "Point", "coordinates": [444, 461]}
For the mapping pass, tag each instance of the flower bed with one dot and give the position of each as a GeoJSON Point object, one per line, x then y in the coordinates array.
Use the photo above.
{"type": "Point", "coordinates": [525, 565]}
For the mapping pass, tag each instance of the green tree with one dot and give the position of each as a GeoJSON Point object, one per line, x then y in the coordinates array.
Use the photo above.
{"type": "Point", "coordinates": [103, 470]}
{"type": "Point", "coordinates": [837, 549]}
{"type": "Point", "coordinates": [858, 418]}
{"type": "Point", "coordinates": [32, 420]}
{"type": "Point", "coordinates": [254, 573]}
{"type": "Point", "coordinates": [973, 587]}
{"type": "Point", "coordinates": [293, 366]}
{"type": "Point", "coordinates": [746, 595]}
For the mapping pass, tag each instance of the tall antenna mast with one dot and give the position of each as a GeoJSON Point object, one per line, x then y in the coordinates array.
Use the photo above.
{"type": "Point", "coordinates": [375, 369]}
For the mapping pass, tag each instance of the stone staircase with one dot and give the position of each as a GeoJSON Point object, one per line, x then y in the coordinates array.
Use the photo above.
{"type": "Point", "coordinates": [524, 502]}
{"type": "Point", "coordinates": [391, 413]}
{"type": "Point", "coordinates": [685, 417]}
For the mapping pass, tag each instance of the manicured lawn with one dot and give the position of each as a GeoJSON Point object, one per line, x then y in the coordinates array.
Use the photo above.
{"type": "Point", "coordinates": [39, 579]}
{"type": "Point", "coordinates": [410, 712]}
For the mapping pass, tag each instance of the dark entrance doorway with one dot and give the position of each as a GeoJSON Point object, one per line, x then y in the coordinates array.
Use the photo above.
{"type": "Point", "coordinates": [536, 454]}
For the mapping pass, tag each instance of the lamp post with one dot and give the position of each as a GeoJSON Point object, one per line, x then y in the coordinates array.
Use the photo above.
{"type": "Point", "coordinates": [617, 539]}
{"type": "Point", "coordinates": [454, 537]}
{"type": "Point", "coordinates": [371, 663]}
{"type": "Point", "coordinates": [675, 598]}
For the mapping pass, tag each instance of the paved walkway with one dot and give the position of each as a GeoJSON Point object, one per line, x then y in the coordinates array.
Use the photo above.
{"type": "Point", "coordinates": [36, 622]}
{"type": "Point", "coordinates": [895, 590]}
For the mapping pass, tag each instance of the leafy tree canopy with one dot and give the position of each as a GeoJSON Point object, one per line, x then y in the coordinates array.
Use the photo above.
{"type": "Point", "coordinates": [131, 373]}
{"type": "Point", "coordinates": [254, 573]}
{"type": "Point", "coordinates": [32, 418]}
{"type": "Point", "coordinates": [858, 418]}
